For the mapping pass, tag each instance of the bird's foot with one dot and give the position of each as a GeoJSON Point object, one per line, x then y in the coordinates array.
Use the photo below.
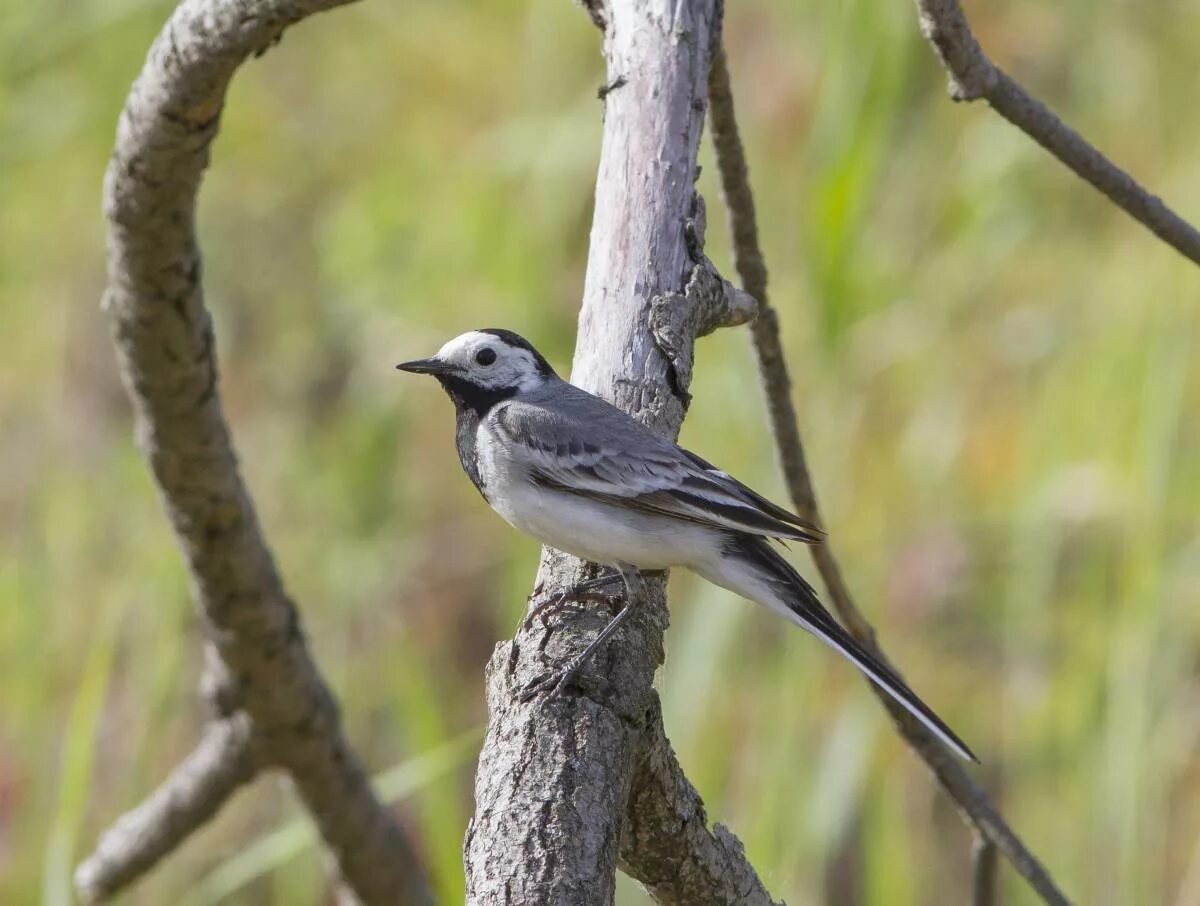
{"type": "Point", "coordinates": [549, 685]}
{"type": "Point", "coordinates": [581, 592]}
{"type": "Point", "coordinates": [552, 684]}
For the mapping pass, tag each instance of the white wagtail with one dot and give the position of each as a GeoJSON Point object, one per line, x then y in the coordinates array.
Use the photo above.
{"type": "Point", "coordinates": [581, 476]}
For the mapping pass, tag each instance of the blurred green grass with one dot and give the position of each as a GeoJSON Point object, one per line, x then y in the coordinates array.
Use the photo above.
{"type": "Point", "coordinates": [996, 373]}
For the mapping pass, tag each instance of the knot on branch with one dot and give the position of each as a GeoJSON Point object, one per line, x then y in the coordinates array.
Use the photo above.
{"type": "Point", "coordinates": [972, 75]}
{"type": "Point", "coordinates": [708, 302]}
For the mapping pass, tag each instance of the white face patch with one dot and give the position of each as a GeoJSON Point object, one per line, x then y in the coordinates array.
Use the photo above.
{"type": "Point", "coordinates": [511, 366]}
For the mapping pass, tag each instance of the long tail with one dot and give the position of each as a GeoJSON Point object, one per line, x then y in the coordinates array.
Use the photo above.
{"type": "Point", "coordinates": [754, 569]}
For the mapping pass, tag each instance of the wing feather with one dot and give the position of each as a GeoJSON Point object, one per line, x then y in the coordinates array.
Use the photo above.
{"type": "Point", "coordinates": [603, 454]}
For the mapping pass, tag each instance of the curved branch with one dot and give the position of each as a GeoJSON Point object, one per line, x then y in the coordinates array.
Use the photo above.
{"type": "Point", "coordinates": [968, 796]}
{"type": "Point", "coordinates": [164, 341]}
{"type": "Point", "coordinates": [194, 793]}
{"type": "Point", "coordinates": [974, 76]}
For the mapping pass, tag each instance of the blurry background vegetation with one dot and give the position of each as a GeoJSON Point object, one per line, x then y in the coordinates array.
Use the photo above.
{"type": "Point", "coordinates": [996, 371]}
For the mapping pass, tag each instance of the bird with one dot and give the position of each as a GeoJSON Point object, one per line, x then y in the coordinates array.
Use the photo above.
{"type": "Point", "coordinates": [584, 477]}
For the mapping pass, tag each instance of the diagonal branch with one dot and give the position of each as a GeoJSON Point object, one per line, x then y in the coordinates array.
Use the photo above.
{"type": "Point", "coordinates": [974, 76]}
{"type": "Point", "coordinates": [194, 793]}
{"type": "Point", "coordinates": [259, 665]}
{"type": "Point", "coordinates": [968, 796]}
{"type": "Point", "coordinates": [666, 842]}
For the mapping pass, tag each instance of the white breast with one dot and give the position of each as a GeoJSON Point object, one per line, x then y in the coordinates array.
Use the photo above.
{"type": "Point", "coordinates": [588, 528]}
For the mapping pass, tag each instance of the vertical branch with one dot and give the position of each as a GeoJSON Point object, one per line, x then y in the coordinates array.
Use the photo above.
{"type": "Point", "coordinates": [971, 800]}
{"type": "Point", "coordinates": [983, 873]}
{"type": "Point", "coordinates": [553, 787]}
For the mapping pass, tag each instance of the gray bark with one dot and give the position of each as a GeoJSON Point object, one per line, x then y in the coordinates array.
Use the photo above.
{"type": "Point", "coordinates": [261, 677]}
{"type": "Point", "coordinates": [567, 788]}
{"type": "Point", "coordinates": [666, 842]}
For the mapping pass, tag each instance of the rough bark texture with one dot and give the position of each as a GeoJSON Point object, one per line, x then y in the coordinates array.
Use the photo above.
{"type": "Point", "coordinates": [666, 842]}
{"type": "Point", "coordinates": [260, 678]}
{"type": "Point", "coordinates": [566, 788]}
{"type": "Point", "coordinates": [969, 797]}
{"type": "Point", "coordinates": [973, 75]}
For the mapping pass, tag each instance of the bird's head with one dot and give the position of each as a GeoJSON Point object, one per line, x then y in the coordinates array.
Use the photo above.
{"type": "Point", "coordinates": [482, 367]}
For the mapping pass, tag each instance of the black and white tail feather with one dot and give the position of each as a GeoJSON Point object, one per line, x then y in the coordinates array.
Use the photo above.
{"type": "Point", "coordinates": [802, 607]}
{"type": "Point", "coordinates": [582, 476]}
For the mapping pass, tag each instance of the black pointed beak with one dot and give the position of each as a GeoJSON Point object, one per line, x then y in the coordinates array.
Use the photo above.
{"type": "Point", "coordinates": [427, 366]}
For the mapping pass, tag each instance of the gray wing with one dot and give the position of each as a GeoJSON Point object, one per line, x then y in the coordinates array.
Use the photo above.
{"type": "Point", "coordinates": [577, 442]}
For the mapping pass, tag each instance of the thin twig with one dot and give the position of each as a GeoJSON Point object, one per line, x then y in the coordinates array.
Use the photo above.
{"type": "Point", "coordinates": [970, 798]}
{"type": "Point", "coordinates": [983, 873]}
{"type": "Point", "coordinates": [973, 75]}
{"type": "Point", "coordinates": [187, 799]}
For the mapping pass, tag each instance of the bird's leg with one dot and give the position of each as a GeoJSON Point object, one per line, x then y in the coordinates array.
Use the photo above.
{"type": "Point", "coordinates": [581, 591]}
{"type": "Point", "coordinates": [554, 683]}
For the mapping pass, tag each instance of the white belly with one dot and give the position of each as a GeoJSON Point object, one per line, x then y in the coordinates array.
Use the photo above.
{"type": "Point", "coordinates": [588, 528]}
{"type": "Point", "coordinates": [604, 533]}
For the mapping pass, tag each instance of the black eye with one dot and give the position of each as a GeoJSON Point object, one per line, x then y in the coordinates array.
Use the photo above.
{"type": "Point", "coordinates": [485, 356]}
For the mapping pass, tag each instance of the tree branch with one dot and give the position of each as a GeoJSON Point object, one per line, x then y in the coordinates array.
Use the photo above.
{"type": "Point", "coordinates": [666, 842]}
{"type": "Point", "coordinates": [983, 873]}
{"type": "Point", "coordinates": [186, 800]}
{"type": "Point", "coordinates": [566, 788]}
{"type": "Point", "coordinates": [969, 797]}
{"type": "Point", "coordinates": [974, 76]}
{"type": "Point", "coordinates": [261, 676]}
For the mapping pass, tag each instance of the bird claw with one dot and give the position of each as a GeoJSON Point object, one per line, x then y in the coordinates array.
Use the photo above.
{"type": "Point", "coordinates": [582, 593]}
{"type": "Point", "coordinates": [550, 685]}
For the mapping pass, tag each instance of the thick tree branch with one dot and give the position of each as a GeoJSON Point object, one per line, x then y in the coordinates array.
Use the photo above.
{"type": "Point", "coordinates": [187, 799]}
{"type": "Point", "coordinates": [666, 842]}
{"type": "Point", "coordinates": [260, 673]}
{"type": "Point", "coordinates": [969, 797]}
{"type": "Point", "coordinates": [566, 788]}
{"type": "Point", "coordinates": [974, 76]}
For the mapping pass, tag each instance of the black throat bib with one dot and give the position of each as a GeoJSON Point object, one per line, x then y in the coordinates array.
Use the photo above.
{"type": "Point", "coordinates": [472, 403]}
